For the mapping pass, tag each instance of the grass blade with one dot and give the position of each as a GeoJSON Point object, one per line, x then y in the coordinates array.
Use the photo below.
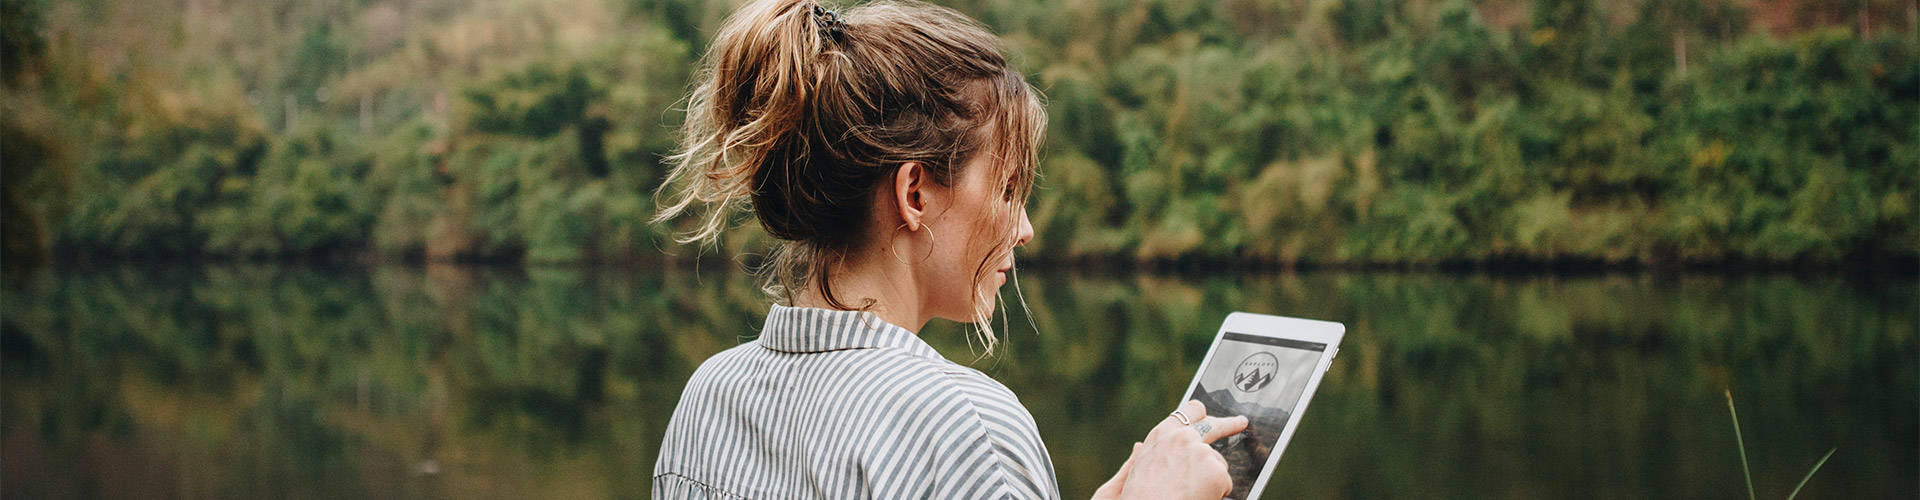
{"type": "Point", "coordinates": [1816, 468]}
{"type": "Point", "coordinates": [1744, 469]}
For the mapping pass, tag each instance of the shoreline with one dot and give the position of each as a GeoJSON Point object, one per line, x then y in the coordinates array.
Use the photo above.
{"type": "Point", "coordinates": [1899, 266]}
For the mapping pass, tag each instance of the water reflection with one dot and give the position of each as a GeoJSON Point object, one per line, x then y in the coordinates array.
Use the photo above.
{"type": "Point", "coordinates": [442, 382]}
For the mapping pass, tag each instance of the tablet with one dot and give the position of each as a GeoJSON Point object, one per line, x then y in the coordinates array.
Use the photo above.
{"type": "Point", "coordinates": [1264, 368]}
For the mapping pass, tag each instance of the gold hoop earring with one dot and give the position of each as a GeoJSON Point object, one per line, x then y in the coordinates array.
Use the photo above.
{"type": "Point", "coordinates": [923, 258]}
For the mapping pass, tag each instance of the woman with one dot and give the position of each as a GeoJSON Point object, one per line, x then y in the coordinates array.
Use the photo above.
{"type": "Point", "coordinates": [851, 137]}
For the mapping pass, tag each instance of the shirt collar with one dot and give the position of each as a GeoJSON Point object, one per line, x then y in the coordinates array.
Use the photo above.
{"type": "Point", "coordinates": [807, 329]}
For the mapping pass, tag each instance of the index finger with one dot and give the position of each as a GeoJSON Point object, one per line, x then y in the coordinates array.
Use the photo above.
{"type": "Point", "coordinates": [1218, 427]}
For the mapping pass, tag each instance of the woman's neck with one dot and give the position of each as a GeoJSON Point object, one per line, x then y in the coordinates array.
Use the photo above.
{"type": "Point", "coordinates": [890, 285]}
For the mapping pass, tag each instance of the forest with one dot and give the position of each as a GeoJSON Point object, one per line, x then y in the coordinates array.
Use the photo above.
{"type": "Point", "coordinates": [1273, 132]}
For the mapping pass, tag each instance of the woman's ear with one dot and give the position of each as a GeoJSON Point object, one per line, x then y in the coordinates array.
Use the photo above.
{"type": "Point", "coordinates": [909, 194]}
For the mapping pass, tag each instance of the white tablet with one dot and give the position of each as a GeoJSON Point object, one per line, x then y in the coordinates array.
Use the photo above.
{"type": "Point", "coordinates": [1265, 368]}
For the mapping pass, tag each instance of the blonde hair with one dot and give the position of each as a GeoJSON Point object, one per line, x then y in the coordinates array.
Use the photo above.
{"type": "Point", "coordinates": [800, 113]}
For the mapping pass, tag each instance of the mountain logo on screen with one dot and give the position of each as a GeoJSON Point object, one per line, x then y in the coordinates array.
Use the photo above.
{"type": "Point", "coordinates": [1255, 372]}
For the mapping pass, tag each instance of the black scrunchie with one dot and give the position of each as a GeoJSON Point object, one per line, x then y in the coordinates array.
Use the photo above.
{"type": "Point", "coordinates": [830, 24]}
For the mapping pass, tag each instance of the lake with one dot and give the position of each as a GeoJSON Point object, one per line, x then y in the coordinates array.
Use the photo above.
{"type": "Point", "coordinates": [281, 381]}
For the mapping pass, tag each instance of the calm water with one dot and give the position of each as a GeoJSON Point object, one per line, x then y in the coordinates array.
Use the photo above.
{"type": "Point", "coordinates": [296, 382]}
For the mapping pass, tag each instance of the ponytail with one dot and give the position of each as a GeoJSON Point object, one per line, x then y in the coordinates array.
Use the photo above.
{"type": "Point", "coordinates": [753, 92]}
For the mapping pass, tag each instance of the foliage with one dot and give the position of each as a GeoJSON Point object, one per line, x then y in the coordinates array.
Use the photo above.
{"type": "Point", "coordinates": [1341, 131]}
{"type": "Point", "coordinates": [36, 160]}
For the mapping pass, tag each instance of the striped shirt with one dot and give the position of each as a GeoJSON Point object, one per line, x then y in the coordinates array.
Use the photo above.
{"type": "Point", "coordinates": [839, 404]}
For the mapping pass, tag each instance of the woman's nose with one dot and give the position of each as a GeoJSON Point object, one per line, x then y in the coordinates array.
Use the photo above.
{"type": "Point", "coordinates": [1024, 232]}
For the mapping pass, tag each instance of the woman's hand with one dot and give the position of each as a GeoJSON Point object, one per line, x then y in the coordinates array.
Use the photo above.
{"type": "Point", "coordinates": [1175, 461]}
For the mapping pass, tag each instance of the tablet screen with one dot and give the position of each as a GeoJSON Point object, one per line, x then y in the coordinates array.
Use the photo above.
{"type": "Point", "coordinates": [1260, 378]}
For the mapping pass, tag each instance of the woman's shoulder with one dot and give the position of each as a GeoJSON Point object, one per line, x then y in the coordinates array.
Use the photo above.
{"type": "Point", "coordinates": [963, 419]}
{"type": "Point", "coordinates": [917, 385]}
{"type": "Point", "coordinates": [987, 395]}
{"type": "Point", "coordinates": [897, 374]}
{"type": "Point", "coordinates": [910, 378]}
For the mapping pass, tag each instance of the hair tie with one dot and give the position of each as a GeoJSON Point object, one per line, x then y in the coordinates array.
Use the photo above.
{"type": "Point", "coordinates": [830, 24]}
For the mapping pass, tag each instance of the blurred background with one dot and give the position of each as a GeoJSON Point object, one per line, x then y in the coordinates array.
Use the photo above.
{"type": "Point", "coordinates": [1285, 131]}
{"type": "Point", "coordinates": [399, 249]}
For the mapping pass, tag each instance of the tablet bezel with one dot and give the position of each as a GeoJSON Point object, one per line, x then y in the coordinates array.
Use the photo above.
{"type": "Point", "coordinates": [1280, 327]}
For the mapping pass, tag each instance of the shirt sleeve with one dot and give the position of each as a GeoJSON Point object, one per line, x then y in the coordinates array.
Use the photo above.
{"type": "Point", "coordinates": [1005, 459]}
